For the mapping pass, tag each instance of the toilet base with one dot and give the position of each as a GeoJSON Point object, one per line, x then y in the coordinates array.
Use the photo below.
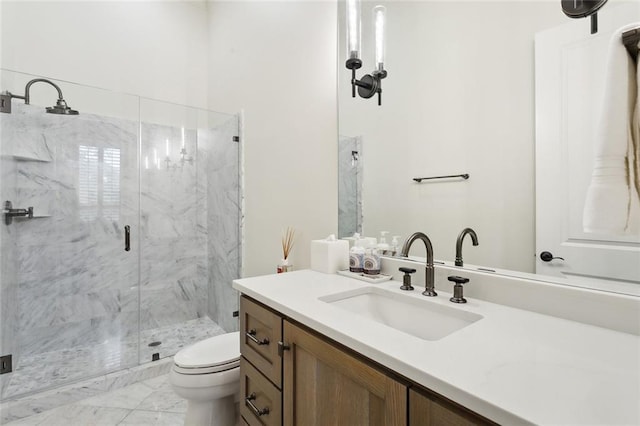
{"type": "Point", "coordinates": [219, 412]}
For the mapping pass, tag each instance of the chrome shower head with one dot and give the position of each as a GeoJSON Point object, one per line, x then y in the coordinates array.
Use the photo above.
{"type": "Point", "coordinates": [61, 108]}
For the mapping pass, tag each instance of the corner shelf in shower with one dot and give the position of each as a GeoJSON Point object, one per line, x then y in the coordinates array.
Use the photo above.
{"type": "Point", "coordinates": [25, 158]}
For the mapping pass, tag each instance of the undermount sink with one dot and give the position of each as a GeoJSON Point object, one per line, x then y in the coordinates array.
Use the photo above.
{"type": "Point", "coordinates": [419, 317]}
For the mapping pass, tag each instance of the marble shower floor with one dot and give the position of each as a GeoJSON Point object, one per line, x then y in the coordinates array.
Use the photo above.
{"type": "Point", "coordinates": [150, 402]}
{"type": "Point", "coordinates": [74, 364]}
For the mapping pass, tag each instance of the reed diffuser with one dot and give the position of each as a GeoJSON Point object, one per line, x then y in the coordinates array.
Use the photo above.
{"type": "Point", "coordinates": [287, 244]}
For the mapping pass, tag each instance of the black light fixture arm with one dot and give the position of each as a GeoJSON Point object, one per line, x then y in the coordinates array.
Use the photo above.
{"type": "Point", "coordinates": [369, 84]}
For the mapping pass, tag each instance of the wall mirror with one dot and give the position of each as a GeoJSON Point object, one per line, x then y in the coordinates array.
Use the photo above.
{"type": "Point", "coordinates": [460, 98]}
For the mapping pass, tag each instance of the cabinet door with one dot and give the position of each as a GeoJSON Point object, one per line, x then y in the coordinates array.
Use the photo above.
{"type": "Point", "coordinates": [325, 386]}
{"type": "Point", "coordinates": [427, 409]}
{"type": "Point", "coordinates": [260, 332]}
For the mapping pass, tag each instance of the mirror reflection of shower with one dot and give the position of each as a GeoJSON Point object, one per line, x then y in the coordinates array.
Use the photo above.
{"type": "Point", "coordinates": [60, 107]}
{"type": "Point", "coordinates": [350, 185]}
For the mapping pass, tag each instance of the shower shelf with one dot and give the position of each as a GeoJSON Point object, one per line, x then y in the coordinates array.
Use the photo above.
{"type": "Point", "coordinates": [25, 158]}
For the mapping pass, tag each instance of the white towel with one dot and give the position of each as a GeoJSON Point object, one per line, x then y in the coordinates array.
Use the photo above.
{"type": "Point", "coordinates": [634, 159]}
{"type": "Point", "coordinates": [612, 204]}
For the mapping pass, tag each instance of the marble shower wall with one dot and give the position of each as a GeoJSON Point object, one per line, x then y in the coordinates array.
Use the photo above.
{"type": "Point", "coordinates": [173, 289]}
{"type": "Point", "coordinates": [189, 225]}
{"type": "Point", "coordinates": [349, 185]}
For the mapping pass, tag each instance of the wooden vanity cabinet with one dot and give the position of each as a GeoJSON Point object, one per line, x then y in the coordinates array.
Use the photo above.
{"type": "Point", "coordinates": [291, 375]}
{"type": "Point", "coordinates": [325, 386]}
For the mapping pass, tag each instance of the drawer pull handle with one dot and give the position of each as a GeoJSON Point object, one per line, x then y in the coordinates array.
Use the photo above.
{"type": "Point", "coordinates": [251, 334]}
{"type": "Point", "coordinates": [257, 411]}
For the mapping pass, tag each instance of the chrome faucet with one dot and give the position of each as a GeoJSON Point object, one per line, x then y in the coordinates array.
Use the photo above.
{"type": "Point", "coordinates": [429, 278]}
{"type": "Point", "coordinates": [474, 239]}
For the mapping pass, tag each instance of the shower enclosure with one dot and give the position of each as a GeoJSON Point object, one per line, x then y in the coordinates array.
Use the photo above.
{"type": "Point", "coordinates": [127, 234]}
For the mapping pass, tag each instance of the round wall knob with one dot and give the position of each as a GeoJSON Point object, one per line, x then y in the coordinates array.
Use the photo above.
{"type": "Point", "coordinates": [547, 256]}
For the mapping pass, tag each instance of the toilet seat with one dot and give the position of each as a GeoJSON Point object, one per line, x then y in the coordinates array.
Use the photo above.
{"type": "Point", "coordinates": [212, 355]}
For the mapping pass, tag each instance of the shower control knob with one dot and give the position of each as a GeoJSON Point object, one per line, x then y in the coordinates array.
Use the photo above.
{"type": "Point", "coordinates": [547, 256]}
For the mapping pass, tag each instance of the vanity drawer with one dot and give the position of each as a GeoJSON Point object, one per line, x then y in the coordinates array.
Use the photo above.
{"type": "Point", "coordinates": [260, 401]}
{"type": "Point", "coordinates": [260, 332]}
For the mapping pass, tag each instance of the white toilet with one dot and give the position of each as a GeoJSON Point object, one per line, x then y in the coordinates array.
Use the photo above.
{"type": "Point", "coordinates": [207, 375]}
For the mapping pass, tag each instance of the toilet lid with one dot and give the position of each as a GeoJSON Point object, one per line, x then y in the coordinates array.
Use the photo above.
{"type": "Point", "coordinates": [211, 352]}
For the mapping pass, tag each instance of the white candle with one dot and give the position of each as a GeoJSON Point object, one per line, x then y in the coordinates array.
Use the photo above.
{"type": "Point", "coordinates": [167, 148]}
{"type": "Point", "coordinates": [183, 137]}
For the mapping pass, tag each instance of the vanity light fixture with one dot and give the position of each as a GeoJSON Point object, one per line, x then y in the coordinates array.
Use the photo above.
{"type": "Point", "coordinates": [369, 84]}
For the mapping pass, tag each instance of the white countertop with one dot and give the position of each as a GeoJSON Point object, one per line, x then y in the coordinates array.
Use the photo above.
{"type": "Point", "coordinates": [512, 366]}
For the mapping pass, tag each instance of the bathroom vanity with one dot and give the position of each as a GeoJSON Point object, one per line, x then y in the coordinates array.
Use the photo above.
{"type": "Point", "coordinates": [326, 349]}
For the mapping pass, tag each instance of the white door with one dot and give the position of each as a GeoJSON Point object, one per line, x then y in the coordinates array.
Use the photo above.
{"type": "Point", "coordinates": [570, 71]}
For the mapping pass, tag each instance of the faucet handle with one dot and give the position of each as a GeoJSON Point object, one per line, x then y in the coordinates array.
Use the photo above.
{"type": "Point", "coordinates": [458, 280]}
{"type": "Point", "coordinates": [457, 288]}
{"type": "Point", "coordinates": [406, 280]}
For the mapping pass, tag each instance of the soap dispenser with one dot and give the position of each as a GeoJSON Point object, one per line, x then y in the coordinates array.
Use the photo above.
{"type": "Point", "coordinates": [371, 263]}
{"type": "Point", "coordinates": [383, 247]}
{"type": "Point", "coordinates": [356, 256]}
{"type": "Point", "coordinates": [395, 245]}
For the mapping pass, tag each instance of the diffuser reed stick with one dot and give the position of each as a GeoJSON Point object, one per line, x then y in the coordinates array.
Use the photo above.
{"type": "Point", "coordinates": [287, 242]}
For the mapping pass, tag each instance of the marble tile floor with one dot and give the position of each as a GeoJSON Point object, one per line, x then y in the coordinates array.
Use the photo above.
{"type": "Point", "coordinates": [60, 367]}
{"type": "Point", "coordinates": [150, 402]}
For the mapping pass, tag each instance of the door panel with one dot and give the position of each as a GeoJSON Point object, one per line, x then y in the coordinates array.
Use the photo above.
{"type": "Point", "coordinates": [324, 385]}
{"type": "Point", "coordinates": [570, 72]}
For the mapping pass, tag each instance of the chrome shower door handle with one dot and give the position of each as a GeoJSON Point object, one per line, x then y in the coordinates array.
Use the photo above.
{"type": "Point", "coordinates": [127, 238]}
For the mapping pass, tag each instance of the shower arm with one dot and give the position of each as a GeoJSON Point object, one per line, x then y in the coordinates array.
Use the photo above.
{"type": "Point", "coordinates": [27, 96]}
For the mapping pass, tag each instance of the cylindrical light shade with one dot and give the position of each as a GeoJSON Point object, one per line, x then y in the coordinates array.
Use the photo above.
{"type": "Point", "coordinates": [353, 29]}
{"type": "Point", "coordinates": [379, 19]}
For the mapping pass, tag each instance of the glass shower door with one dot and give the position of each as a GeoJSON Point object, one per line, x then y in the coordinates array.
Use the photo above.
{"type": "Point", "coordinates": [68, 285]}
{"type": "Point", "coordinates": [190, 226]}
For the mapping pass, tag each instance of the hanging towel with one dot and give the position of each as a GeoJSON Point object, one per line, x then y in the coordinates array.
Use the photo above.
{"type": "Point", "coordinates": [612, 205]}
{"type": "Point", "coordinates": [634, 158]}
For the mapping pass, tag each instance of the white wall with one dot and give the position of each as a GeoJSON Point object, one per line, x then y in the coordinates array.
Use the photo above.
{"type": "Point", "coordinates": [152, 49]}
{"type": "Point", "coordinates": [274, 60]}
{"type": "Point", "coordinates": [277, 62]}
{"type": "Point", "coordinates": [459, 98]}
